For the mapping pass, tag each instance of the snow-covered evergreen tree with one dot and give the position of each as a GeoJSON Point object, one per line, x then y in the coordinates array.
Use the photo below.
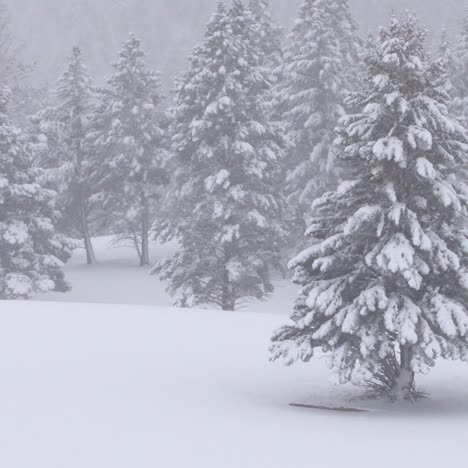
{"type": "Point", "coordinates": [128, 132]}
{"type": "Point", "coordinates": [227, 156]}
{"type": "Point", "coordinates": [459, 72]}
{"type": "Point", "coordinates": [12, 71]}
{"type": "Point", "coordinates": [65, 155]}
{"type": "Point", "coordinates": [444, 49]}
{"type": "Point", "coordinates": [31, 252]}
{"type": "Point", "coordinates": [385, 280]}
{"type": "Point", "coordinates": [320, 63]}
{"type": "Point", "coordinates": [445, 53]}
{"type": "Point", "coordinates": [28, 94]}
{"type": "Point", "coordinates": [269, 34]}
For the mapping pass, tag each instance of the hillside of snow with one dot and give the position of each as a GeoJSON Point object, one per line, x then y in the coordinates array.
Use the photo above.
{"type": "Point", "coordinates": [87, 385]}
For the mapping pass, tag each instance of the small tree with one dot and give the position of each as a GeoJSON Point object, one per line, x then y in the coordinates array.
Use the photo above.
{"type": "Point", "coordinates": [128, 135]}
{"type": "Point", "coordinates": [384, 282]}
{"type": "Point", "coordinates": [227, 159]}
{"type": "Point", "coordinates": [31, 252]}
{"type": "Point", "coordinates": [65, 155]}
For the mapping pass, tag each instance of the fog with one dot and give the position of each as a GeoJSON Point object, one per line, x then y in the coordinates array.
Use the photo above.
{"type": "Point", "coordinates": [48, 28]}
{"type": "Point", "coordinates": [307, 201]}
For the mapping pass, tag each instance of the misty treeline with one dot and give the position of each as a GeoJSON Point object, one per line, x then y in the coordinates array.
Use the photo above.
{"type": "Point", "coordinates": [346, 154]}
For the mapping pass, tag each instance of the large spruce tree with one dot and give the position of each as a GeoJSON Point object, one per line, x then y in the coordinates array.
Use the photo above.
{"type": "Point", "coordinates": [320, 62]}
{"type": "Point", "coordinates": [227, 158]}
{"type": "Point", "coordinates": [67, 160]}
{"type": "Point", "coordinates": [31, 252]}
{"type": "Point", "coordinates": [128, 135]}
{"type": "Point", "coordinates": [385, 280]}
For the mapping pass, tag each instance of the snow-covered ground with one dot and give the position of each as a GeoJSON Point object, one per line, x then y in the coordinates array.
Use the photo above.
{"type": "Point", "coordinates": [148, 386]}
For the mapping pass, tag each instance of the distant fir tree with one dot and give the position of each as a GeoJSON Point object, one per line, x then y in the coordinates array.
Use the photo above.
{"type": "Point", "coordinates": [459, 72]}
{"type": "Point", "coordinates": [227, 155]}
{"type": "Point", "coordinates": [269, 34]}
{"type": "Point", "coordinates": [12, 71]}
{"type": "Point", "coordinates": [65, 156]}
{"type": "Point", "coordinates": [26, 99]}
{"type": "Point", "coordinates": [319, 69]}
{"type": "Point", "coordinates": [31, 252]}
{"type": "Point", "coordinates": [128, 135]}
{"type": "Point", "coordinates": [445, 53]}
{"type": "Point", "coordinates": [385, 280]}
{"type": "Point", "coordinates": [444, 50]}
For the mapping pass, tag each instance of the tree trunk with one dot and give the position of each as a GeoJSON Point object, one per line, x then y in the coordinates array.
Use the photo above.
{"type": "Point", "coordinates": [228, 301]}
{"type": "Point", "coordinates": [144, 259]}
{"type": "Point", "coordinates": [78, 136]}
{"type": "Point", "coordinates": [403, 387]}
{"type": "Point", "coordinates": [90, 256]}
{"type": "Point", "coordinates": [283, 270]}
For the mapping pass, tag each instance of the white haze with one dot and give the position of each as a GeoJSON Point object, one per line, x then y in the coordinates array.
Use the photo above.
{"type": "Point", "coordinates": [170, 29]}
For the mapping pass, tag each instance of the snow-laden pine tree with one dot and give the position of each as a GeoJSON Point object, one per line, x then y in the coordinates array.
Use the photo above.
{"type": "Point", "coordinates": [128, 135]}
{"type": "Point", "coordinates": [459, 72]}
{"type": "Point", "coordinates": [269, 34]}
{"type": "Point", "coordinates": [227, 158]}
{"type": "Point", "coordinates": [385, 279]}
{"type": "Point", "coordinates": [444, 48]}
{"type": "Point", "coordinates": [28, 95]}
{"type": "Point", "coordinates": [320, 66]}
{"type": "Point", "coordinates": [445, 53]}
{"type": "Point", "coordinates": [31, 252]}
{"type": "Point", "coordinates": [12, 70]}
{"type": "Point", "coordinates": [68, 161]}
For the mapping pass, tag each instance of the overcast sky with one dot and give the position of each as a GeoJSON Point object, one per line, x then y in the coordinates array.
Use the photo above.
{"type": "Point", "coordinates": [169, 28]}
